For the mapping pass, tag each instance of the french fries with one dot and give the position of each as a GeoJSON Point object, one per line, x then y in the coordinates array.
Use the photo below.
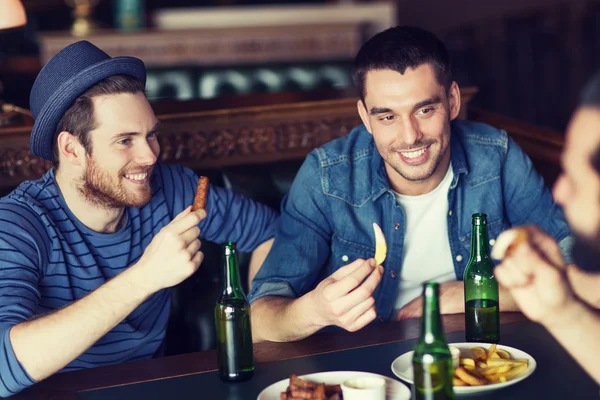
{"type": "Point", "coordinates": [300, 389]}
{"type": "Point", "coordinates": [488, 366]}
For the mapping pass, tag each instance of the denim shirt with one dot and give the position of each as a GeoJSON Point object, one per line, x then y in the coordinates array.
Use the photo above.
{"type": "Point", "coordinates": [342, 188]}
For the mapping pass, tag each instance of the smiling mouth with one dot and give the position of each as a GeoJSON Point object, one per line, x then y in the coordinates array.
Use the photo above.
{"type": "Point", "coordinates": [137, 178]}
{"type": "Point", "coordinates": [413, 154]}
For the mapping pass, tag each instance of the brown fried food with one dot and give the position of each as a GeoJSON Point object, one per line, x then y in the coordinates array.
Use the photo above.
{"type": "Point", "coordinates": [521, 237]}
{"type": "Point", "coordinates": [201, 194]}
{"type": "Point", "coordinates": [300, 389]}
{"type": "Point", "coordinates": [468, 378]}
{"type": "Point", "coordinates": [458, 382]}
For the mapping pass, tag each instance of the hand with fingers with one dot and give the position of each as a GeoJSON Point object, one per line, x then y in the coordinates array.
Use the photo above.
{"type": "Point", "coordinates": [174, 253]}
{"type": "Point", "coordinates": [345, 298]}
{"type": "Point", "coordinates": [534, 274]}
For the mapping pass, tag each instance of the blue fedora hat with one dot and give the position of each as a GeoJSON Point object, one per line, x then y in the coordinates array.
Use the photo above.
{"type": "Point", "coordinates": [67, 75]}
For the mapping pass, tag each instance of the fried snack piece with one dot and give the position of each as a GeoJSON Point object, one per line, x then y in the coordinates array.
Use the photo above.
{"type": "Point", "coordinates": [508, 241]}
{"type": "Point", "coordinates": [380, 245]}
{"type": "Point", "coordinates": [488, 366]}
{"type": "Point", "coordinates": [300, 389]}
{"type": "Point", "coordinates": [468, 378]}
{"type": "Point", "coordinates": [201, 193]}
{"type": "Point", "coordinates": [458, 382]}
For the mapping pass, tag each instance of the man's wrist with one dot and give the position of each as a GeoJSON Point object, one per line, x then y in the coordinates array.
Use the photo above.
{"type": "Point", "coordinates": [565, 317]}
{"type": "Point", "coordinates": [135, 278]}
{"type": "Point", "coordinates": [307, 311]}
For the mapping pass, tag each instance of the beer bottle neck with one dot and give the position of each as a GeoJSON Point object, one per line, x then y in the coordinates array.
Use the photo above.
{"type": "Point", "coordinates": [431, 321]}
{"type": "Point", "coordinates": [479, 242]}
{"type": "Point", "coordinates": [231, 283]}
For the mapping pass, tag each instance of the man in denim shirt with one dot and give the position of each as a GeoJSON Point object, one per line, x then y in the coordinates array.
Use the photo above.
{"type": "Point", "coordinates": [415, 171]}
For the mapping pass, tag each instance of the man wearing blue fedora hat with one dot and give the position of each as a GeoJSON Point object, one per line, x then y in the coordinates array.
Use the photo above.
{"type": "Point", "coordinates": [87, 250]}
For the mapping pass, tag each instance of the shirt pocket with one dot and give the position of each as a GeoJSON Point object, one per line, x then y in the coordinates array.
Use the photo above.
{"type": "Point", "coordinates": [495, 228]}
{"type": "Point", "coordinates": [344, 251]}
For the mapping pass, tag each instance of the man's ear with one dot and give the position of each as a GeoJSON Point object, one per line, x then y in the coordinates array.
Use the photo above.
{"type": "Point", "coordinates": [454, 100]}
{"type": "Point", "coordinates": [69, 149]}
{"type": "Point", "coordinates": [364, 114]}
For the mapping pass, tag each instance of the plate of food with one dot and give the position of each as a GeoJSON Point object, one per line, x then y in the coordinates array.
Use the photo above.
{"type": "Point", "coordinates": [314, 385]}
{"type": "Point", "coordinates": [482, 367]}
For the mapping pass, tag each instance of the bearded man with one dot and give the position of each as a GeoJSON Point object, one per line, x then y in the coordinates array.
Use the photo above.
{"type": "Point", "coordinates": [88, 252]}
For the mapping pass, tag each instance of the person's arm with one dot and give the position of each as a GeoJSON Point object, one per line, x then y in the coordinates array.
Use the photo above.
{"type": "Point", "coordinates": [343, 299]}
{"type": "Point", "coordinates": [288, 301]}
{"type": "Point", "coordinates": [452, 301]}
{"type": "Point", "coordinates": [258, 258]}
{"type": "Point", "coordinates": [46, 344]}
{"type": "Point", "coordinates": [535, 275]}
{"type": "Point", "coordinates": [528, 199]}
{"type": "Point", "coordinates": [577, 332]}
{"type": "Point", "coordinates": [230, 216]}
{"type": "Point", "coordinates": [585, 285]}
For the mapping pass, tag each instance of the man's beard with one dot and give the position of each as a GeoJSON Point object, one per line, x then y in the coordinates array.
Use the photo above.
{"type": "Point", "coordinates": [586, 253]}
{"type": "Point", "coordinates": [98, 188]}
{"type": "Point", "coordinates": [404, 173]}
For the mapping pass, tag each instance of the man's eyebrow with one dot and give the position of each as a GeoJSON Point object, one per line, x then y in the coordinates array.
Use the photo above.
{"type": "Point", "coordinates": [127, 134]}
{"type": "Point", "coordinates": [428, 102]}
{"type": "Point", "coordinates": [380, 110]}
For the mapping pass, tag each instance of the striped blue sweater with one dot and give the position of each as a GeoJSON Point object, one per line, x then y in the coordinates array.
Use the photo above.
{"type": "Point", "coordinates": [48, 259]}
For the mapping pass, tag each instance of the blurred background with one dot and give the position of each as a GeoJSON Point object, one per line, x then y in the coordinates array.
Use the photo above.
{"type": "Point", "coordinates": [520, 63]}
{"type": "Point", "coordinates": [527, 57]}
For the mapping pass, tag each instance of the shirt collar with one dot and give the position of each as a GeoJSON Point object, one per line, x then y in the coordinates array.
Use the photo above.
{"type": "Point", "coordinates": [457, 158]}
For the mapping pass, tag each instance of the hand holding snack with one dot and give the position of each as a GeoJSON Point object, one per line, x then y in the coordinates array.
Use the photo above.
{"type": "Point", "coordinates": [345, 298]}
{"type": "Point", "coordinates": [174, 253]}
{"type": "Point", "coordinates": [534, 274]}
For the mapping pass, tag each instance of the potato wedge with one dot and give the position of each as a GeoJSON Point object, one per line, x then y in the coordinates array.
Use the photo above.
{"type": "Point", "coordinates": [469, 378]}
{"type": "Point", "coordinates": [491, 351]}
{"type": "Point", "coordinates": [458, 382]}
{"type": "Point", "coordinates": [503, 354]}
{"type": "Point", "coordinates": [467, 361]}
{"type": "Point", "coordinates": [479, 353]}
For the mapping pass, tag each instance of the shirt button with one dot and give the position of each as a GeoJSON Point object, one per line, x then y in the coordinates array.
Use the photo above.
{"type": "Point", "coordinates": [450, 213]}
{"type": "Point", "coordinates": [459, 258]}
{"type": "Point", "coordinates": [344, 258]}
{"type": "Point", "coordinates": [492, 242]}
{"type": "Point", "coordinates": [396, 226]}
{"type": "Point", "coordinates": [393, 274]}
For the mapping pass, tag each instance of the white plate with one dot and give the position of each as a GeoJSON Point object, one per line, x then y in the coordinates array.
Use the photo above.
{"type": "Point", "coordinates": [394, 389]}
{"type": "Point", "coordinates": [402, 367]}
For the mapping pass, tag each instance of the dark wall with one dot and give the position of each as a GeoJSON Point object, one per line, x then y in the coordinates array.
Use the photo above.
{"type": "Point", "coordinates": [528, 57]}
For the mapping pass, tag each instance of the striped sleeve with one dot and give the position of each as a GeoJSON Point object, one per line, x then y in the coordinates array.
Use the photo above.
{"type": "Point", "coordinates": [231, 217]}
{"type": "Point", "coordinates": [23, 252]}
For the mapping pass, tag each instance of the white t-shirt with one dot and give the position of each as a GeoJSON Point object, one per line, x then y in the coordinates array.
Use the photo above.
{"type": "Point", "coordinates": [427, 255]}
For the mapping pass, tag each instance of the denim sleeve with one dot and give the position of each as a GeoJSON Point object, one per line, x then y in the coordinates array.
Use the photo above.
{"type": "Point", "coordinates": [529, 201]}
{"type": "Point", "coordinates": [302, 240]}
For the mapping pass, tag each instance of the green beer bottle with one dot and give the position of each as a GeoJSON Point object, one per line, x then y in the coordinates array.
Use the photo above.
{"type": "Point", "coordinates": [482, 311]}
{"type": "Point", "coordinates": [232, 320]}
{"type": "Point", "coordinates": [432, 360]}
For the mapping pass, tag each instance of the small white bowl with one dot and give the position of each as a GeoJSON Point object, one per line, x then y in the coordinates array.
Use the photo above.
{"type": "Point", "coordinates": [455, 356]}
{"type": "Point", "coordinates": [364, 388]}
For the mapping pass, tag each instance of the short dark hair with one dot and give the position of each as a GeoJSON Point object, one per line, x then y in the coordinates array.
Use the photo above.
{"type": "Point", "coordinates": [399, 48]}
{"type": "Point", "coordinates": [79, 118]}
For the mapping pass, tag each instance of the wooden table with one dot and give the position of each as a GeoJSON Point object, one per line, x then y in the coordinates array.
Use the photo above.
{"type": "Point", "coordinates": [269, 355]}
